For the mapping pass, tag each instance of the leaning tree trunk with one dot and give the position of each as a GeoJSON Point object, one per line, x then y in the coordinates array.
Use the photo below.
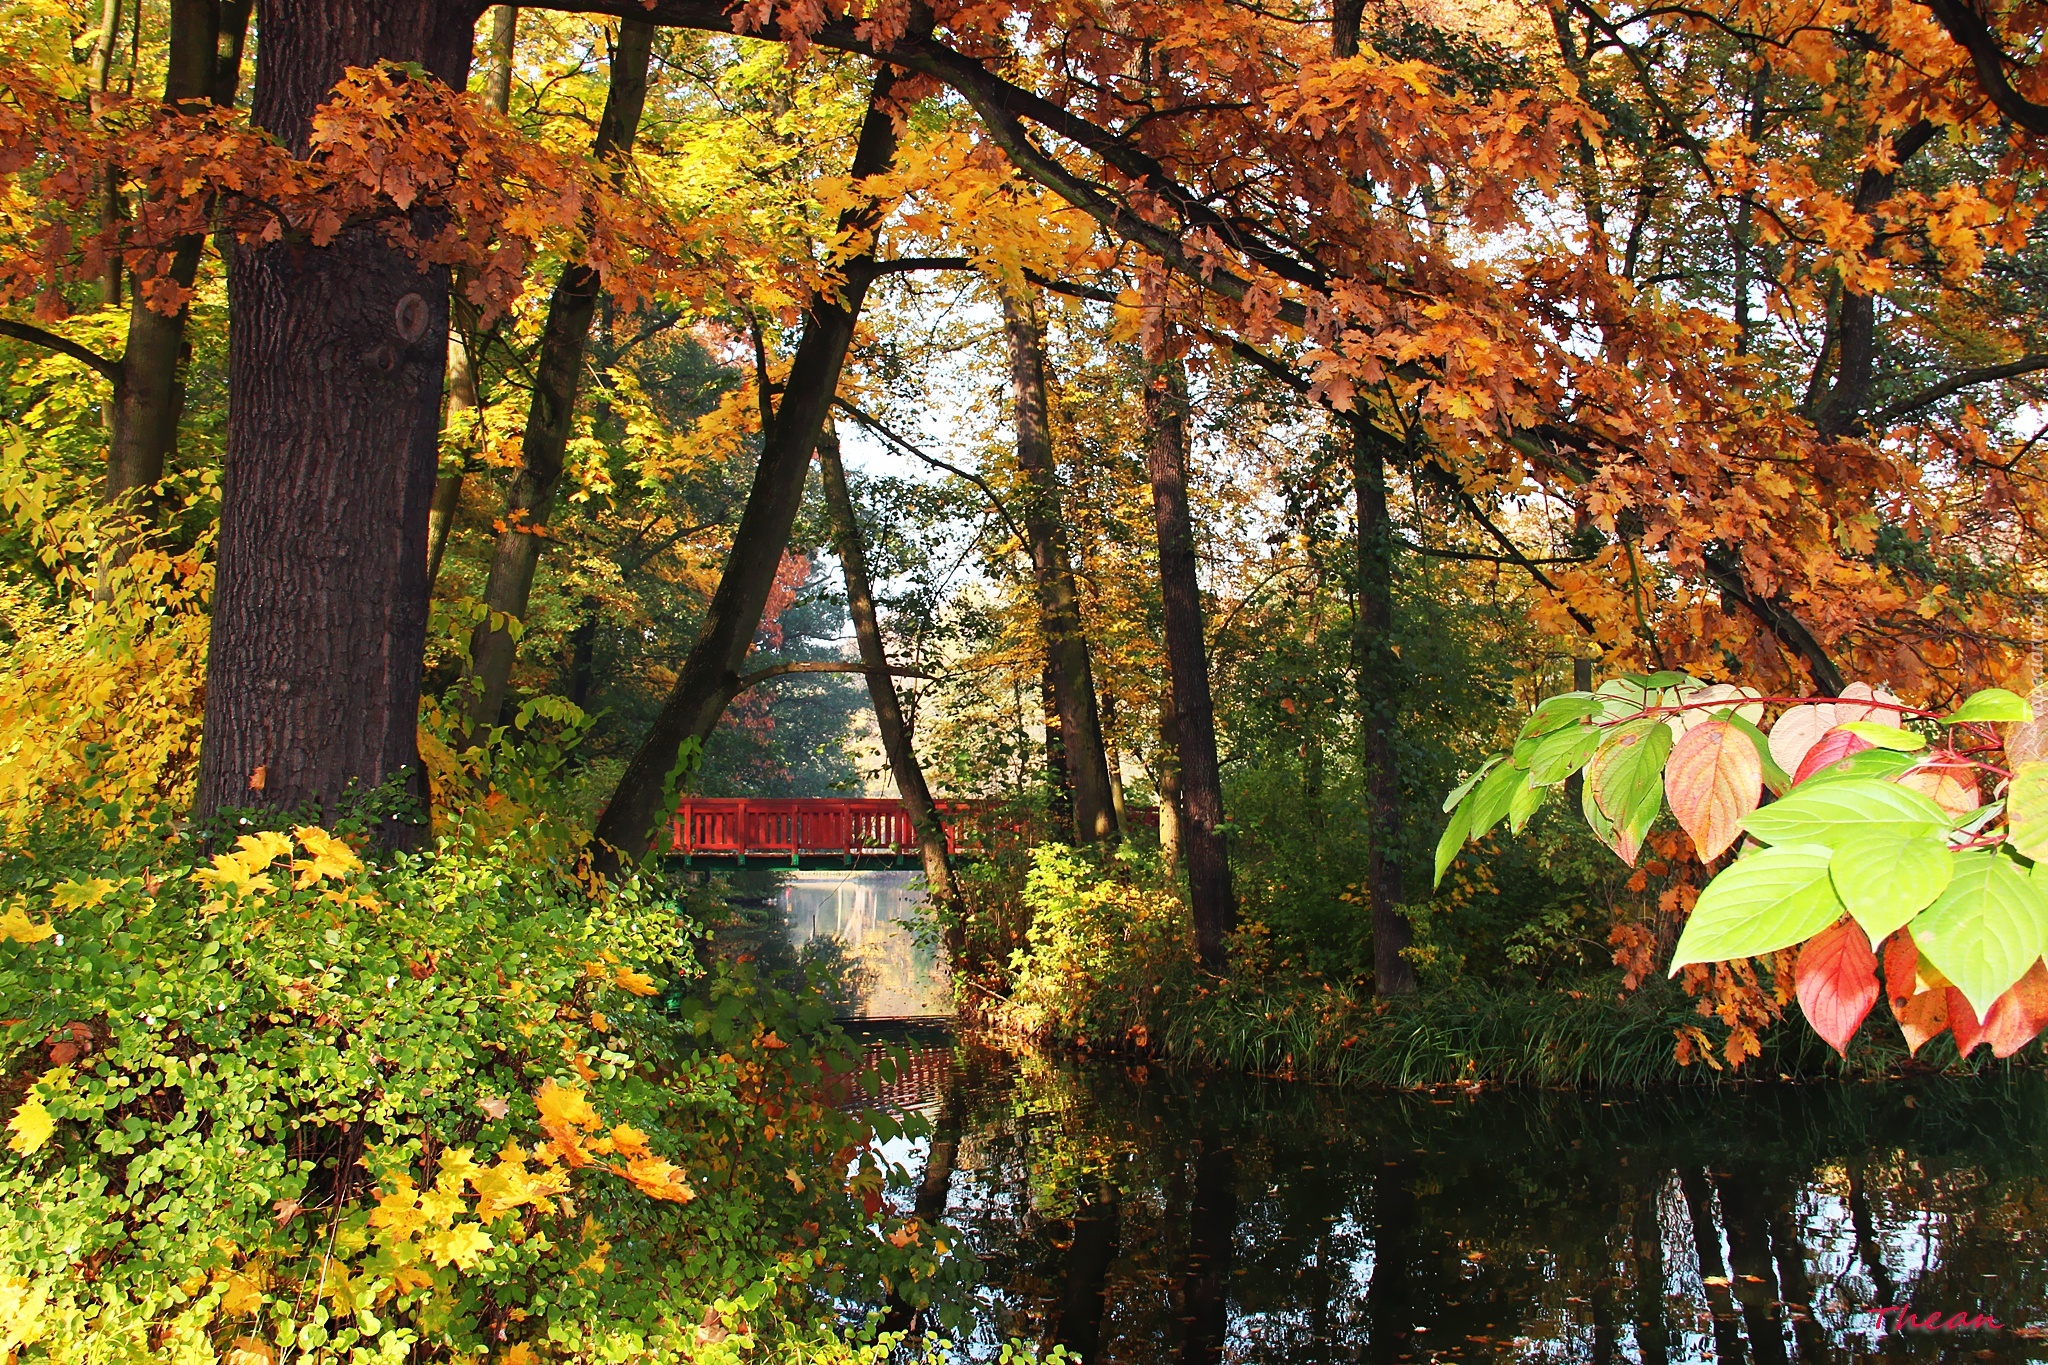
{"type": "Point", "coordinates": [860, 603]}
{"type": "Point", "coordinates": [550, 418]}
{"type": "Point", "coordinates": [1052, 569]}
{"type": "Point", "coordinates": [1194, 714]}
{"type": "Point", "coordinates": [335, 363]}
{"type": "Point", "coordinates": [464, 397]}
{"type": "Point", "coordinates": [1379, 715]}
{"type": "Point", "coordinates": [710, 673]}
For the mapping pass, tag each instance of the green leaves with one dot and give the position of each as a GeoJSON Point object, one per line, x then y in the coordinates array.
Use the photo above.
{"type": "Point", "coordinates": [1772, 899]}
{"type": "Point", "coordinates": [1885, 736]}
{"type": "Point", "coordinates": [1830, 813]}
{"type": "Point", "coordinates": [1625, 779]}
{"type": "Point", "coordinates": [1884, 881]}
{"type": "Point", "coordinates": [1992, 704]}
{"type": "Point", "coordinates": [1986, 928]}
{"type": "Point", "coordinates": [2026, 811]}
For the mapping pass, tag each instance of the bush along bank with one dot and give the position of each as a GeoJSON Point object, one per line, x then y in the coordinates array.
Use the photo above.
{"type": "Point", "coordinates": [278, 1104]}
{"type": "Point", "coordinates": [1108, 965]}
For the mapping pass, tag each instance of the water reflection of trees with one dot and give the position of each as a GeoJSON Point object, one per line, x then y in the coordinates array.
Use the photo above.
{"type": "Point", "coordinates": [1144, 1218]}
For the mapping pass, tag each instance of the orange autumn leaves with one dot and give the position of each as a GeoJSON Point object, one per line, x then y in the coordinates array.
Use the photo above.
{"type": "Point", "coordinates": [449, 1223]}
{"type": "Point", "coordinates": [573, 1130]}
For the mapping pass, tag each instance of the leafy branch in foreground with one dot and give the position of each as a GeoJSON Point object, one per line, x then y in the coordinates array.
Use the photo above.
{"type": "Point", "coordinates": [1876, 842]}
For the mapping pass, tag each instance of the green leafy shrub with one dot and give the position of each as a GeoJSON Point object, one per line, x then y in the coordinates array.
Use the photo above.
{"type": "Point", "coordinates": [279, 1104]}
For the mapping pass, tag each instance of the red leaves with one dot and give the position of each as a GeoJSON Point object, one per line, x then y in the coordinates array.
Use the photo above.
{"type": "Point", "coordinates": [1837, 978]}
{"type": "Point", "coordinates": [1832, 748]}
{"type": "Point", "coordinates": [1925, 1004]}
{"type": "Point", "coordinates": [1713, 780]}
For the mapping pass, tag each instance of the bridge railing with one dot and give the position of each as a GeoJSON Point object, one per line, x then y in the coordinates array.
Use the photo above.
{"type": "Point", "coordinates": [745, 826]}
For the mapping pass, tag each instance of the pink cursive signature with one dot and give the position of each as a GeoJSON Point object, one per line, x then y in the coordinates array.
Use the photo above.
{"type": "Point", "coordinates": [1900, 1318]}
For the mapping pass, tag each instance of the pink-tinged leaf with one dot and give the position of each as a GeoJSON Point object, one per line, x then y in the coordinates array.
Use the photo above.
{"type": "Point", "coordinates": [2018, 1016]}
{"type": "Point", "coordinates": [1837, 977]}
{"type": "Point", "coordinates": [1832, 748]}
{"type": "Point", "coordinates": [1713, 780]}
{"type": "Point", "coordinates": [1952, 785]}
{"type": "Point", "coordinates": [1846, 709]}
{"type": "Point", "coordinates": [1797, 731]}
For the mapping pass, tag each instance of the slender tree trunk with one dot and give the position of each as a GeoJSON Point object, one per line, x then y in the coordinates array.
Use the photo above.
{"type": "Point", "coordinates": [110, 190]}
{"type": "Point", "coordinates": [860, 603]}
{"type": "Point", "coordinates": [1171, 819]}
{"type": "Point", "coordinates": [550, 418]}
{"type": "Point", "coordinates": [463, 396]}
{"type": "Point", "coordinates": [1058, 784]}
{"type": "Point", "coordinates": [148, 400]}
{"type": "Point", "coordinates": [695, 703]}
{"type": "Point", "coordinates": [336, 357]}
{"type": "Point", "coordinates": [1052, 567]}
{"type": "Point", "coordinates": [1379, 714]}
{"type": "Point", "coordinates": [1194, 716]}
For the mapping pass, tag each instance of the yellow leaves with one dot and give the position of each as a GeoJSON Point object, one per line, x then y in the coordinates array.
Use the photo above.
{"type": "Point", "coordinates": [398, 1213]}
{"type": "Point", "coordinates": [31, 1125]}
{"type": "Point", "coordinates": [326, 857]}
{"type": "Point", "coordinates": [659, 1179]}
{"type": "Point", "coordinates": [460, 1246]}
{"type": "Point", "coordinates": [639, 983]}
{"type": "Point", "coordinates": [16, 925]}
{"type": "Point", "coordinates": [77, 895]}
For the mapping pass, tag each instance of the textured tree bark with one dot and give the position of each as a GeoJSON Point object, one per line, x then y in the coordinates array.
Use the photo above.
{"type": "Point", "coordinates": [694, 704]}
{"type": "Point", "coordinates": [148, 399]}
{"type": "Point", "coordinates": [1210, 896]}
{"type": "Point", "coordinates": [1379, 701]}
{"type": "Point", "coordinates": [463, 396]}
{"type": "Point", "coordinates": [550, 418]}
{"type": "Point", "coordinates": [1052, 568]}
{"type": "Point", "coordinates": [335, 364]}
{"type": "Point", "coordinates": [867, 629]}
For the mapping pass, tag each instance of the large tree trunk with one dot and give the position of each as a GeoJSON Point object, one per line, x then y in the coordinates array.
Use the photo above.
{"type": "Point", "coordinates": [204, 67]}
{"type": "Point", "coordinates": [463, 395]}
{"type": "Point", "coordinates": [1052, 569]}
{"type": "Point", "coordinates": [335, 363]}
{"type": "Point", "coordinates": [867, 629]}
{"type": "Point", "coordinates": [550, 418]}
{"type": "Point", "coordinates": [709, 674]}
{"type": "Point", "coordinates": [1194, 714]}
{"type": "Point", "coordinates": [1379, 718]}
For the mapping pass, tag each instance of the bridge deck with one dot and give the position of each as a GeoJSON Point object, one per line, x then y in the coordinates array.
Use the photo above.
{"type": "Point", "coordinates": [800, 831]}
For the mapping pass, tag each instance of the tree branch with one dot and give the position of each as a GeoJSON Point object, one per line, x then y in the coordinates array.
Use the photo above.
{"type": "Point", "coordinates": [36, 336]}
{"type": "Point", "coordinates": [1988, 58]}
{"type": "Point", "coordinates": [934, 461]}
{"type": "Point", "coordinates": [1779, 620]}
{"type": "Point", "coordinates": [1934, 393]}
{"type": "Point", "coordinates": [906, 264]}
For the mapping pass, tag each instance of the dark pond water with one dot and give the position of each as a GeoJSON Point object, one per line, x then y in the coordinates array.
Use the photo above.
{"type": "Point", "coordinates": [1146, 1216]}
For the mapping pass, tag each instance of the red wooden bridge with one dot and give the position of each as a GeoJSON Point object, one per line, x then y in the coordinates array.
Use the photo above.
{"type": "Point", "coordinates": [794, 831]}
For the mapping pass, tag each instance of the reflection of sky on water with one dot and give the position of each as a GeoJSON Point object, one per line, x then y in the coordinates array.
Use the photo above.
{"type": "Point", "coordinates": [1514, 1228]}
{"type": "Point", "coordinates": [863, 926]}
